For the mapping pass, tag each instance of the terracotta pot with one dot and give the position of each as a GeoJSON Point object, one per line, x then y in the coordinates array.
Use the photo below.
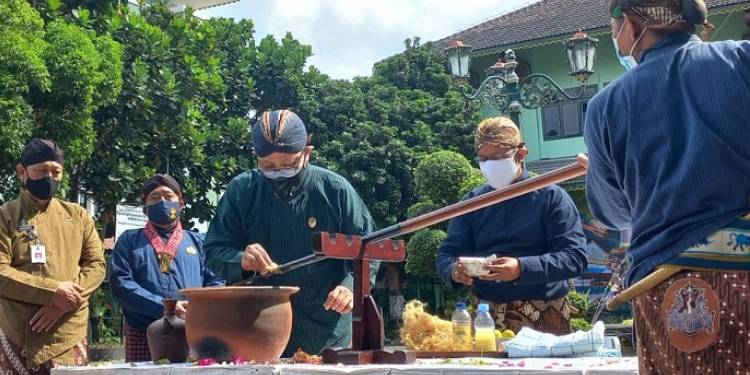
{"type": "Point", "coordinates": [250, 322]}
{"type": "Point", "coordinates": [166, 336]}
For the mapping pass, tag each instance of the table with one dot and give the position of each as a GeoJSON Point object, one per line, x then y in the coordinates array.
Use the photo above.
{"type": "Point", "coordinates": [468, 366]}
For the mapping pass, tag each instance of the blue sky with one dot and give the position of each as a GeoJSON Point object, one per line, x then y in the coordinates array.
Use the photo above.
{"type": "Point", "coordinates": [349, 36]}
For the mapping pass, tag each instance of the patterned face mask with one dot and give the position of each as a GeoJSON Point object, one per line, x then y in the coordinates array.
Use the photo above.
{"type": "Point", "coordinates": [163, 212]}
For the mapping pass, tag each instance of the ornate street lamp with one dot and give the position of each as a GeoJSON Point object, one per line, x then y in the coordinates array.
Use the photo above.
{"type": "Point", "coordinates": [459, 58]}
{"type": "Point", "coordinates": [581, 52]}
{"type": "Point", "coordinates": [503, 91]}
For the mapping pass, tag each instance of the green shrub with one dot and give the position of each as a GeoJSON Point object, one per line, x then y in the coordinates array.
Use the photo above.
{"type": "Point", "coordinates": [441, 175]}
{"type": "Point", "coordinates": [420, 252]}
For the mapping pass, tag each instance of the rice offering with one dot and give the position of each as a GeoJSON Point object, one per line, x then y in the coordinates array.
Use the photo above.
{"type": "Point", "coordinates": [424, 332]}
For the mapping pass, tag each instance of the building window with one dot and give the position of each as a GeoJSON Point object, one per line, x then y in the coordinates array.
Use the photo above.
{"type": "Point", "coordinates": [565, 119]}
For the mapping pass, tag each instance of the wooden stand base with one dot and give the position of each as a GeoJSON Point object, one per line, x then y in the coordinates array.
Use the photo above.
{"type": "Point", "coordinates": [367, 357]}
{"type": "Point", "coordinates": [368, 335]}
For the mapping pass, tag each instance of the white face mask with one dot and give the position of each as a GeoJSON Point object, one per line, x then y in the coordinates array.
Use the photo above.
{"type": "Point", "coordinates": [283, 173]}
{"type": "Point", "coordinates": [499, 173]}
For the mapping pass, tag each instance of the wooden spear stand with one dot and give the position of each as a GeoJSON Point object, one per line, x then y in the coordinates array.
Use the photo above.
{"type": "Point", "coordinates": [367, 322]}
{"type": "Point", "coordinates": [368, 335]}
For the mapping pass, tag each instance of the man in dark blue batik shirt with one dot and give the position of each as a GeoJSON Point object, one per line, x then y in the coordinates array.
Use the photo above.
{"type": "Point", "coordinates": [669, 157]}
{"type": "Point", "coordinates": [537, 239]}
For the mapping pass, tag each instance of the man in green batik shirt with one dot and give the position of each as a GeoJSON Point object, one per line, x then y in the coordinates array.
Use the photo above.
{"type": "Point", "coordinates": [268, 216]}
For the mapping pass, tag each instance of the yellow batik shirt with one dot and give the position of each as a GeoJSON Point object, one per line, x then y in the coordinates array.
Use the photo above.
{"type": "Point", "coordinates": [74, 252]}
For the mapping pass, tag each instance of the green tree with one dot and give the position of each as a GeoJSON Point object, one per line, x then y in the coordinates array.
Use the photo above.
{"type": "Point", "coordinates": [429, 109]}
{"type": "Point", "coordinates": [420, 252]}
{"type": "Point", "coordinates": [475, 180]}
{"type": "Point", "coordinates": [85, 73]}
{"type": "Point", "coordinates": [53, 77]}
{"type": "Point", "coordinates": [419, 67]}
{"type": "Point", "coordinates": [377, 164]}
{"type": "Point", "coordinates": [22, 72]}
{"type": "Point", "coordinates": [279, 73]}
{"type": "Point", "coordinates": [53, 9]}
{"type": "Point", "coordinates": [400, 111]}
{"type": "Point", "coordinates": [421, 208]}
{"type": "Point", "coordinates": [173, 110]}
{"type": "Point", "coordinates": [441, 175]}
{"type": "Point", "coordinates": [190, 89]}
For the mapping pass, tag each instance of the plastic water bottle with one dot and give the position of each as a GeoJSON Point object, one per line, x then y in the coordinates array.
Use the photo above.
{"type": "Point", "coordinates": [461, 320]}
{"type": "Point", "coordinates": [484, 330]}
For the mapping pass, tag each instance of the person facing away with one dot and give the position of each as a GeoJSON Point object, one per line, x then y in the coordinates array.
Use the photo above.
{"type": "Point", "coordinates": [669, 158]}
{"type": "Point", "coordinates": [268, 215]}
{"type": "Point", "coordinates": [537, 238]}
{"type": "Point", "coordinates": [153, 263]}
{"type": "Point", "coordinates": [51, 261]}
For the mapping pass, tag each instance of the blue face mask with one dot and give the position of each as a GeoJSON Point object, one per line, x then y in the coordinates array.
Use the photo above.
{"type": "Point", "coordinates": [163, 212]}
{"type": "Point", "coordinates": [629, 62]}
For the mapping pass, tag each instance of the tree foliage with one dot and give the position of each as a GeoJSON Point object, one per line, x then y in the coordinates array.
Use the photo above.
{"type": "Point", "coordinates": [129, 92]}
{"type": "Point", "coordinates": [473, 181]}
{"type": "Point", "coordinates": [374, 130]}
{"type": "Point", "coordinates": [421, 251]}
{"type": "Point", "coordinates": [177, 113]}
{"type": "Point", "coordinates": [53, 77]}
{"type": "Point", "coordinates": [440, 176]}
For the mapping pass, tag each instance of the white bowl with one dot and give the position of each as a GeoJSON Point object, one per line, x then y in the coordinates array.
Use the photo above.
{"type": "Point", "coordinates": [476, 266]}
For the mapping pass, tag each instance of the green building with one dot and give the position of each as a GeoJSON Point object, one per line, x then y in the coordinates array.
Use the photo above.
{"type": "Point", "coordinates": [536, 34]}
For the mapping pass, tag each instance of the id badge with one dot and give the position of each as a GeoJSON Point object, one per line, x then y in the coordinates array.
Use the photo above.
{"type": "Point", "coordinates": [38, 254]}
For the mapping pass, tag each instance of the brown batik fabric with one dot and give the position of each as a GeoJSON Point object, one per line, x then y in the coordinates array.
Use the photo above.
{"type": "Point", "coordinates": [696, 322]}
{"type": "Point", "coordinates": [13, 358]}
{"type": "Point", "coordinates": [551, 316]}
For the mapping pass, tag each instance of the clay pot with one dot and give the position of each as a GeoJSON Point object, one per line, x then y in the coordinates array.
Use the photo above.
{"type": "Point", "coordinates": [166, 336]}
{"type": "Point", "coordinates": [249, 322]}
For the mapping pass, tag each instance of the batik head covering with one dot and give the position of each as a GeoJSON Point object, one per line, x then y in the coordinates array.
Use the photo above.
{"type": "Point", "coordinates": [279, 131]}
{"type": "Point", "coordinates": [497, 131]}
{"type": "Point", "coordinates": [160, 180]}
{"type": "Point", "coordinates": [668, 15]}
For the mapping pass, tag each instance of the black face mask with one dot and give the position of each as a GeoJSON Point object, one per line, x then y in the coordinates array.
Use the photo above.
{"type": "Point", "coordinates": [44, 188]}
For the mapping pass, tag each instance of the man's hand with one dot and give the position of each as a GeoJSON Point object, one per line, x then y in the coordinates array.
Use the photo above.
{"type": "Point", "coordinates": [181, 308]}
{"type": "Point", "coordinates": [68, 296]}
{"type": "Point", "coordinates": [256, 258]}
{"type": "Point", "coordinates": [503, 269]}
{"type": "Point", "coordinates": [340, 300]}
{"type": "Point", "coordinates": [460, 274]}
{"type": "Point", "coordinates": [595, 229]}
{"type": "Point", "coordinates": [109, 243]}
{"type": "Point", "coordinates": [45, 318]}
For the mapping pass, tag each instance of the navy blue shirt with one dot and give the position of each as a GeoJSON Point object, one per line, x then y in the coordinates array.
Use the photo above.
{"type": "Point", "coordinates": [140, 286]}
{"type": "Point", "coordinates": [542, 229]}
{"type": "Point", "coordinates": [669, 147]}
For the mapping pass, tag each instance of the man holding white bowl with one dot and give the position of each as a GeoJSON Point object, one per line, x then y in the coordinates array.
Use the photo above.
{"type": "Point", "coordinates": [519, 254]}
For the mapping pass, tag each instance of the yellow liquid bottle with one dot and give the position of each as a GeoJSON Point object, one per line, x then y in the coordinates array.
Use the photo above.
{"type": "Point", "coordinates": [484, 330]}
{"type": "Point", "coordinates": [485, 340]}
{"type": "Point", "coordinates": [461, 322]}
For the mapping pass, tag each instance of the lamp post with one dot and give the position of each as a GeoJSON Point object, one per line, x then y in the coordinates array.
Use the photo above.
{"type": "Point", "coordinates": [503, 91]}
